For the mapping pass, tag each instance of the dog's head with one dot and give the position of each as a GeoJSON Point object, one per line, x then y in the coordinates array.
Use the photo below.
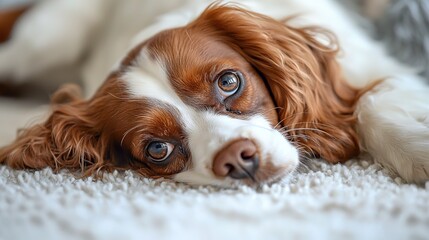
{"type": "Point", "coordinates": [234, 96]}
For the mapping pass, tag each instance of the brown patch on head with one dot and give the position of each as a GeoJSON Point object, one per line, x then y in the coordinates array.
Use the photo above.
{"type": "Point", "coordinates": [314, 103]}
{"type": "Point", "coordinates": [132, 123]}
{"type": "Point", "coordinates": [109, 131]}
{"type": "Point", "coordinates": [195, 61]}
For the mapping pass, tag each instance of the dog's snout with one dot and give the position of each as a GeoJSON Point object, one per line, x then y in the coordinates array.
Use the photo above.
{"type": "Point", "coordinates": [237, 160]}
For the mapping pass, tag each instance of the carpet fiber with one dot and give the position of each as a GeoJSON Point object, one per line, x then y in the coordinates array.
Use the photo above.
{"type": "Point", "coordinates": [357, 200]}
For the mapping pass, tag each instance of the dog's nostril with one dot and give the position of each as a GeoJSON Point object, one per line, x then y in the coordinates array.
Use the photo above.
{"type": "Point", "coordinates": [229, 168]}
{"type": "Point", "coordinates": [237, 160]}
{"type": "Point", "coordinates": [247, 154]}
{"type": "Point", "coordinates": [245, 169]}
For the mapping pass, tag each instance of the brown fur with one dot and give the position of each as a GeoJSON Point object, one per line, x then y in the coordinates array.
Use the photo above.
{"type": "Point", "coordinates": [67, 140]}
{"type": "Point", "coordinates": [192, 72]}
{"type": "Point", "coordinates": [106, 132]}
{"type": "Point", "coordinates": [314, 104]}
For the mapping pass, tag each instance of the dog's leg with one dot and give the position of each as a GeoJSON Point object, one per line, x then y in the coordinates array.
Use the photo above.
{"type": "Point", "coordinates": [51, 34]}
{"type": "Point", "coordinates": [393, 122]}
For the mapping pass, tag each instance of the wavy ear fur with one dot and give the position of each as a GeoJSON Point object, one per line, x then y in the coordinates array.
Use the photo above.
{"type": "Point", "coordinates": [315, 104]}
{"type": "Point", "coordinates": [68, 139]}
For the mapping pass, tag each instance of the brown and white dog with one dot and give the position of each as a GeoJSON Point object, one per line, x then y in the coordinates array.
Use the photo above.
{"type": "Point", "coordinates": [231, 94]}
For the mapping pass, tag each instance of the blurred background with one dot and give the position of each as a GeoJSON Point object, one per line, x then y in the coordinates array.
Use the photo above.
{"type": "Point", "coordinates": [402, 26]}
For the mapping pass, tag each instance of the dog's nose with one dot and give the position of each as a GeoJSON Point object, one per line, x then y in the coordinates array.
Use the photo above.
{"type": "Point", "coordinates": [238, 160]}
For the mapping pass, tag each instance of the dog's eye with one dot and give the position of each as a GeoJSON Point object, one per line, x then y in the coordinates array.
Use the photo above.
{"type": "Point", "coordinates": [159, 151]}
{"type": "Point", "coordinates": [228, 83]}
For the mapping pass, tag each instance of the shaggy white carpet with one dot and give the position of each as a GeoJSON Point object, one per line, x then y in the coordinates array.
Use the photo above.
{"type": "Point", "coordinates": [357, 200]}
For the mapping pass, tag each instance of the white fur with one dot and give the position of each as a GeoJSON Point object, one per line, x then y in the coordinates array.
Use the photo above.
{"type": "Point", "coordinates": [53, 34]}
{"type": "Point", "coordinates": [149, 79]}
{"type": "Point", "coordinates": [207, 132]}
{"type": "Point", "coordinates": [211, 132]}
{"type": "Point", "coordinates": [392, 124]}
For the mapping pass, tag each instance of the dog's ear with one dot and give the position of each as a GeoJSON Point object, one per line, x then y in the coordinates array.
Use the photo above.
{"type": "Point", "coordinates": [299, 67]}
{"type": "Point", "coordinates": [67, 139]}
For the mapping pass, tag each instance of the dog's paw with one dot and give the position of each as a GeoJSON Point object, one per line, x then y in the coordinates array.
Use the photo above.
{"type": "Point", "coordinates": [403, 148]}
{"type": "Point", "coordinates": [393, 124]}
{"type": "Point", "coordinates": [420, 148]}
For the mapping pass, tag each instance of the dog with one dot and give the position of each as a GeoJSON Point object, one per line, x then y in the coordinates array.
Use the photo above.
{"type": "Point", "coordinates": [229, 93]}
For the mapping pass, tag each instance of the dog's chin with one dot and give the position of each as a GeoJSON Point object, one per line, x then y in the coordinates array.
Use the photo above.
{"type": "Point", "coordinates": [280, 176]}
{"type": "Point", "coordinates": [261, 178]}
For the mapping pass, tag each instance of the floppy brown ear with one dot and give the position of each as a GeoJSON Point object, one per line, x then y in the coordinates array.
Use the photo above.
{"type": "Point", "coordinates": [314, 103]}
{"type": "Point", "coordinates": [68, 139]}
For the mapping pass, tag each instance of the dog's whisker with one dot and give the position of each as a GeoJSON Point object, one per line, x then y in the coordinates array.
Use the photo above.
{"type": "Point", "coordinates": [123, 98]}
{"type": "Point", "coordinates": [310, 129]}
{"type": "Point", "coordinates": [288, 117]}
{"type": "Point", "coordinates": [313, 124]}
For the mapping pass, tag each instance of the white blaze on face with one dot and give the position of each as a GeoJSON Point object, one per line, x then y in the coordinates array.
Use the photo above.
{"type": "Point", "coordinates": [213, 131]}
{"type": "Point", "coordinates": [207, 132]}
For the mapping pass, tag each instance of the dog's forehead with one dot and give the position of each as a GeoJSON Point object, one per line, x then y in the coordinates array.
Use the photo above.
{"type": "Point", "coordinates": [147, 71]}
{"type": "Point", "coordinates": [174, 64]}
{"type": "Point", "coordinates": [147, 78]}
{"type": "Point", "coordinates": [190, 44]}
